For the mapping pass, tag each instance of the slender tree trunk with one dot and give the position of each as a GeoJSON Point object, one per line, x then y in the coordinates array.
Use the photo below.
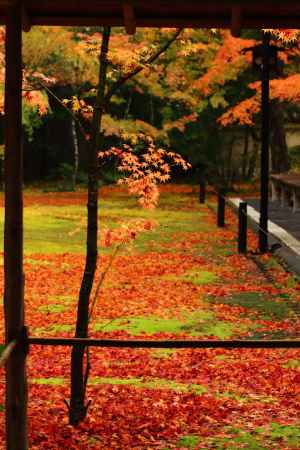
{"type": "Point", "coordinates": [253, 160]}
{"type": "Point", "coordinates": [79, 373]}
{"type": "Point", "coordinates": [76, 153]}
{"type": "Point", "coordinates": [245, 154]}
{"type": "Point", "coordinates": [128, 106]}
{"type": "Point", "coordinates": [229, 164]}
{"type": "Point", "coordinates": [151, 111]}
{"type": "Point", "coordinates": [279, 151]}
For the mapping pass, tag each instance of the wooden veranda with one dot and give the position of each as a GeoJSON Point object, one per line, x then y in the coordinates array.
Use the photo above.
{"type": "Point", "coordinates": [20, 15]}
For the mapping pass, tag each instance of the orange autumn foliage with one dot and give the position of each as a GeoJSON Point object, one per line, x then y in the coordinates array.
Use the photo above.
{"type": "Point", "coordinates": [142, 173]}
{"type": "Point", "coordinates": [283, 90]}
{"type": "Point", "coordinates": [227, 63]}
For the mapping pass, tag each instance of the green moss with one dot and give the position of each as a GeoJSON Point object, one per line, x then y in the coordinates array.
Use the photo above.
{"type": "Point", "coordinates": [59, 229]}
{"type": "Point", "coordinates": [274, 435]}
{"type": "Point", "coordinates": [52, 309]}
{"type": "Point", "coordinates": [139, 325]}
{"type": "Point", "coordinates": [38, 262]}
{"type": "Point", "coordinates": [200, 323]}
{"type": "Point", "coordinates": [265, 307]}
{"type": "Point", "coordinates": [189, 441]}
{"type": "Point", "coordinates": [48, 229]}
{"type": "Point", "coordinates": [163, 353]}
{"type": "Point", "coordinates": [153, 324]}
{"type": "Point", "coordinates": [271, 263]}
{"type": "Point", "coordinates": [258, 335]}
{"type": "Point", "coordinates": [221, 330]}
{"type": "Point", "coordinates": [197, 277]}
{"type": "Point", "coordinates": [62, 299]}
{"type": "Point", "coordinates": [242, 440]}
{"type": "Point", "coordinates": [292, 364]}
{"type": "Point", "coordinates": [52, 329]}
{"type": "Point", "coordinates": [291, 282]}
{"type": "Point", "coordinates": [155, 383]}
{"type": "Point", "coordinates": [223, 358]}
{"type": "Point", "coordinates": [290, 434]}
{"type": "Point", "coordinates": [52, 381]}
{"type": "Point", "coordinates": [139, 383]}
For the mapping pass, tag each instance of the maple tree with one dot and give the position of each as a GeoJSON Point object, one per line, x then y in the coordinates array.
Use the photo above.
{"type": "Point", "coordinates": [141, 58]}
{"type": "Point", "coordinates": [284, 91]}
{"type": "Point", "coordinates": [210, 75]}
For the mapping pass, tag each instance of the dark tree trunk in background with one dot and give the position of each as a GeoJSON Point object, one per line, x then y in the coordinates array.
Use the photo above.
{"type": "Point", "coordinates": [280, 160]}
{"type": "Point", "coordinates": [245, 157]}
{"type": "Point", "coordinates": [79, 373]}
{"type": "Point", "coordinates": [253, 160]}
{"type": "Point", "coordinates": [76, 153]}
{"type": "Point", "coordinates": [229, 168]}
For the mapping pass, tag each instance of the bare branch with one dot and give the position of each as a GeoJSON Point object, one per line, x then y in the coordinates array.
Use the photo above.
{"type": "Point", "coordinates": [124, 78]}
{"type": "Point", "coordinates": [74, 117]}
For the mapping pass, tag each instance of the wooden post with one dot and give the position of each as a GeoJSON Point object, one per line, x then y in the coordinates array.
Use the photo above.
{"type": "Point", "coordinates": [16, 383]}
{"type": "Point", "coordinates": [202, 190]}
{"type": "Point", "coordinates": [221, 210]}
{"type": "Point", "coordinates": [242, 236]}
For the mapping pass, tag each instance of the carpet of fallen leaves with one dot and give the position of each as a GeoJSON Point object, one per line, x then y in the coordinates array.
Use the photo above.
{"type": "Point", "coordinates": [152, 399]}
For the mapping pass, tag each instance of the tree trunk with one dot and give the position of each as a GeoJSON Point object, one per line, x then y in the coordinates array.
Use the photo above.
{"type": "Point", "coordinates": [79, 373]}
{"type": "Point", "coordinates": [279, 151]}
{"type": "Point", "coordinates": [76, 153]}
{"type": "Point", "coordinates": [253, 160]}
{"type": "Point", "coordinates": [245, 154]}
{"type": "Point", "coordinates": [229, 168]}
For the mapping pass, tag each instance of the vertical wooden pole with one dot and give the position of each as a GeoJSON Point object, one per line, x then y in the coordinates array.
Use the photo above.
{"type": "Point", "coordinates": [202, 186]}
{"type": "Point", "coordinates": [221, 210]}
{"type": "Point", "coordinates": [16, 383]}
{"type": "Point", "coordinates": [242, 234]}
{"type": "Point", "coordinates": [265, 132]}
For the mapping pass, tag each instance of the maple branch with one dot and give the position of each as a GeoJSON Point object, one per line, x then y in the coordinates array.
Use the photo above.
{"type": "Point", "coordinates": [101, 280]}
{"type": "Point", "coordinates": [74, 117]}
{"type": "Point", "coordinates": [124, 78]}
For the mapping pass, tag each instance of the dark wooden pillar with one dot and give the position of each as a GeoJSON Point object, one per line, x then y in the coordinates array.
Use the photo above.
{"type": "Point", "coordinates": [16, 383]}
{"type": "Point", "coordinates": [265, 132]}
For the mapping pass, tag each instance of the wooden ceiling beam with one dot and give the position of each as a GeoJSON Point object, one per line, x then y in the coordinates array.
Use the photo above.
{"type": "Point", "coordinates": [236, 21]}
{"type": "Point", "coordinates": [129, 17]}
{"type": "Point", "coordinates": [251, 21]}
{"type": "Point", "coordinates": [26, 23]}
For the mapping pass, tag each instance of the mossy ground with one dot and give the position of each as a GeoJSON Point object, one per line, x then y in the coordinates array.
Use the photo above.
{"type": "Point", "coordinates": [199, 295]}
{"type": "Point", "coordinates": [261, 438]}
{"type": "Point", "coordinates": [60, 229]}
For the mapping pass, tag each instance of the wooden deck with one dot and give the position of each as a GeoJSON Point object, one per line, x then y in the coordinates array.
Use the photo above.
{"type": "Point", "coordinates": [282, 216]}
{"type": "Point", "coordinates": [284, 229]}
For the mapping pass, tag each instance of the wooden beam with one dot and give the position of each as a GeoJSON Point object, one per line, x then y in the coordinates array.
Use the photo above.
{"type": "Point", "coordinates": [26, 23]}
{"type": "Point", "coordinates": [129, 17]}
{"type": "Point", "coordinates": [175, 343]}
{"type": "Point", "coordinates": [204, 21]}
{"type": "Point", "coordinates": [236, 21]}
{"type": "Point", "coordinates": [16, 383]}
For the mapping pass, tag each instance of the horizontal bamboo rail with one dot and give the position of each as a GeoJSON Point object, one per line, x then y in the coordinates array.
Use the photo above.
{"type": "Point", "coordinates": [143, 343]}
